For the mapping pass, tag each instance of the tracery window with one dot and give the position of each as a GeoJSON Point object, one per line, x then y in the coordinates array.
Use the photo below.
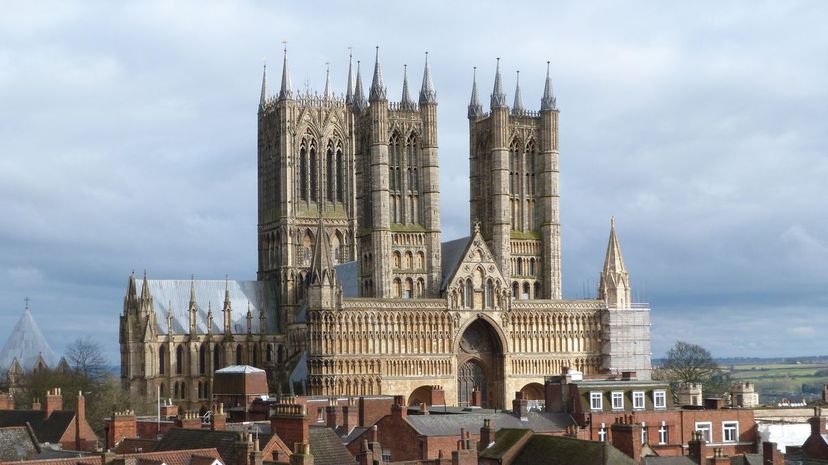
{"type": "Point", "coordinates": [179, 360]}
{"type": "Point", "coordinates": [340, 176]}
{"type": "Point", "coordinates": [202, 359]}
{"type": "Point", "coordinates": [314, 171]}
{"type": "Point", "coordinates": [303, 173]}
{"type": "Point", "coordinates": [162, 360]}
{"type": "Point", "coordinates": [329, 173]}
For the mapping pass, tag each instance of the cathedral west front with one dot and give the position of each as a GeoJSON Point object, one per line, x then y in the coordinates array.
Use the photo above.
{"type": "Point", "coordinates": [356, 294]}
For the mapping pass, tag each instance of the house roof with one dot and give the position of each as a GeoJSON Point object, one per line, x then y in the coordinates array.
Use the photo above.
{"type": "Point", "coordinates": [201, 456]}
{"type": "Point", "coordinates": [677, 460]}
{"type": "Point", "coordinates": [132, 445]}
{"type": "Point", "coordinates": [450, 425]}
{"type": "Point", "coordinates": [560, 450]}
{"type": "Point", "coordinates": [49, 429]}
{"type": "Point", "coordinates": [505, 439]}
{"type": "Point", "coordinates": [327, 448]}
{"type": "Point", "coordinates": [16, 444]}
{"type": "Point", "coordinates": [193, 439]}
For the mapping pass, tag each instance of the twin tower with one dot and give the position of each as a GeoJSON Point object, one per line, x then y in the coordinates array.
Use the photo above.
{"type": "Point", "coordinates": [359, 176]}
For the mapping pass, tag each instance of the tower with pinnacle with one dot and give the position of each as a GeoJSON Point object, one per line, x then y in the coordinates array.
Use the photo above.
{"type": "Point", "coordinates": [514, 187]}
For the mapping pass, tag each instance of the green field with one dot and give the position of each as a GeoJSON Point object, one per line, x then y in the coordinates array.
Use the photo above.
{"type": "Point", "coordinates": [775, 381]}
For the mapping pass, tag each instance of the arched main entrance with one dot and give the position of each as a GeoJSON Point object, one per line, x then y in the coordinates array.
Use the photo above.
{"type": "Point", "coordinates": [480, 365]}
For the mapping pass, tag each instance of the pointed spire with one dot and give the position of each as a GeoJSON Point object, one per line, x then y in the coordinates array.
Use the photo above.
{"type": "Point", "coordinates": [548, 101]}
{"type": "Point", "coordinates": [349, 91]}
{"type": "Point", "coordinates": [498, 96]}
{"type": "Point", "coordinates": [427, 93]}
{"type": "Point", "coordinates": [328, 92]}
{"type": "Point", "coordinates": [359, 97]}
{"type": "Point", "coordinates": [145, 287]}
{"type": "Point", "coordinates": [263, 98]}
{"type": "Point", "coordinates": [518, 105]}
{"type": "Point", "coordinates": [475, 109]}
{"type": "Point", "coordinates": [209, 317]}
{"type": "Point", "coordinates": [249, 318]}
{"type": "Point", "coordinates": [613, 262]}
{"type": "Point", "coordinates": [226, 292]}
{"type": "Point", "coordinates": [285, 92]}
{"type": "Point", "coordinates": [377, 88]}
{"type": "Point", "coordinates": [192, 291]}
{"type": "Point", "coordinates": [406, 97]}
{"type": "Point", "coordinates": [321, 270]}
{"type": "Point", "coordinates": [169, 318]}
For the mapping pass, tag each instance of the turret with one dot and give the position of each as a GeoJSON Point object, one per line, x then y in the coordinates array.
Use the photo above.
{"type": "Point", "coordinates": [193, 307]}
{"type": "Point", "coordinates": [548, 100]}
{"type": "Point", "coordinates": [405, 100]}
{"type": "Point", "coordinates": [378, 91]}
{"type": "Point", "coordinates": [359, 103]}
{"type": "Point", "coordinates": [475, 109]}
{"type": "Point", "coordinates": [548, 189]}
{"type": "Point", "coordinates": [427, 93]}
{"type": "Point", "coordinates": [131, 297]}
{"type": "Point", "coordinates": [146, 296]}
{"type": "Point", "coordinates": [614, 286]}
{"type": "Point", "coordinates": [263, 97]}
{"type": "Point", "coordinates": [284, 92]}
{"type": "Point", "coordinates": [498, 99]}
{"type": "Point", "coordinates": [430, 185]}
{"type": "Point", "coordinates": [227, 310]}
{"type": "Point", "coordinates": [517, 108]}
{"type": "Point", "coordinates": [501, 218]}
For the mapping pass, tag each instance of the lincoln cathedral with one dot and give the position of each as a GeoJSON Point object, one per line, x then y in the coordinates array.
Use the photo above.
{"type": "Point", "coordinates": [356, 294]}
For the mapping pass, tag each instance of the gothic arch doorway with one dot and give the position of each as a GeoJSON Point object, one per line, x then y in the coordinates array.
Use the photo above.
{"type": "Point", "coordinates": [480, 365]}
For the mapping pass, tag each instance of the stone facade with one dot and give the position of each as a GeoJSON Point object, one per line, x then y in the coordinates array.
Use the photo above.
{"type": "Point", "coordinates": [356, 292]}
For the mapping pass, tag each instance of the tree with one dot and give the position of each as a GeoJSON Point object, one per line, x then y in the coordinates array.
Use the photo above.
{"type": "Point", "coordinates": [86, 358]}
{"type": "Point", "coordinates": [692, 363]}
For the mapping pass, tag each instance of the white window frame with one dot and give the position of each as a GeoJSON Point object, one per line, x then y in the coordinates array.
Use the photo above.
{"type": "Point", "coordinates": [660, 399]}
{"type": "Point", "coordinates": [617, 396]}
{"type": "Point", "coordinates": [638, 400]}
{"type": "Point", "coordinates": [707, 427]}
{"type": "Point", "coordinates": [663, 433]}
{"type": "Point", "coordinates": [602, 433]}
{"type": "Point", "coordinates": [596, 401]}
{"type": "Point", "coordinates": [730, 426]}
{"type": "Point", "coordinates": [644, 435]}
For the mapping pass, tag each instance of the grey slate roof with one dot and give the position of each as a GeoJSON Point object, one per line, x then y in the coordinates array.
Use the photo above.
{"type": "Point", "coordinates": [183, 439]}
{"type": "Point", "coordinates": [16, 444]}
{"type": "Point", "coordinates": [25, 343]}
{"type": "Point", "coordinates": [678, 460]}
{"type": "Point", "coordinates": [176, 292]}
{"type": "Point", "coordinates": [327, 448]}
{"type": "Point", "coordinates": [559, 450]}
{"type": "Point", "coordinates": [450, 425]}
{"type": "Point", "coordinates": [46, 429]}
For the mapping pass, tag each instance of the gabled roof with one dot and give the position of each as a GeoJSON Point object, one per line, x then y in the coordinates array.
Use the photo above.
{"type": "Point", "coordinates": [450, 425]}
{"type": "Point", "coordinates": [16, 444]}
{"type": "Point", "coordinates": [26, 344]}
{"type": "Point", "coordinates": [132, 445]}
{"type": "Point", "coordinates": [201, 456]}
{"type": "Point", "coordinates": [560, 450]}
{"type": "Point", "coordinates": [327, 448]}
{"type": "Point", "coordinates": [184, 439]}
{"type": "Point", "coordinates": [49, 429]}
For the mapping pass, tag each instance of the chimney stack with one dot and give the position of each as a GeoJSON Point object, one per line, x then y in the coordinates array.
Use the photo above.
{"type": "Point", "coordinates": [697, 447]}
{"type": "Point", "coordinates": [487, 434]}
{"type": "Point", "coordinates": [54, 401]}
{"type": "Point", "coordinates": [626, 437]}
{"type": "Point", "coordinates": [288, 422]}
{"type": "Point", "coordinates": [520, 406]}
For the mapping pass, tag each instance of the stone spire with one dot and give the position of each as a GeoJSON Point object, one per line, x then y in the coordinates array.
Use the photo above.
{"type": "Point", "coordinates": [548, 100]}
{"type": "Point", "coordinates": [209, 317]}
{"type": "Point", "coordinates": [262, 319]}
{"type": "Point", "coordinates": [285, 92]}
{"type": "Point", "coordinates": [614, 286]}
{"type": "Point", "coordinates": [321, 269]}
{"type": "Point", "coordinates": [145, 292]}
{"type": "Point", "coordinates": [359, 103]}
{"type": "Point", "coordinates": [427, 93]}
{"type": "Point", "coordinates": [518, 105]}
{"type": "Point", "coordinates": [228, 308]}
{"type": "Point", "coordinates": [377, 88]}
{"type": "Point", "coordinates": [263, 98]}
{"type": "Point", "coordinates": [349, 91]}
{"type": "Point", "coordinates": [406, 97]}
{"type": "Point", "coordinates": [249, 317]}
{"type": "Point", "coordinates": [193, 307]}
{"type": "Point", "coordinates": [498, 96]}
{"type": "Point", "coordinates": [192, 291]}
{"type": "Point", "coordinates": [475, 109]}
{"type": "Point", "coordinates": [169, 318]}
{"type": "Point", "coordinates": [328, 94]}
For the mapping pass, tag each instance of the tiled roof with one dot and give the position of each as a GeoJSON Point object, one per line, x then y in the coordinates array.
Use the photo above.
{"type": "Point", "coordinates": [559, 450]}
{"type": "Point", "coordinates": [46, 429]}
{"type": "Point", "coordinates": [87, 460]}
{"type": "Point", "coordinates": [505, 439]}
{"type": "Point", "coordinates": [450, 425]}
{"type": "Point", "coordinates": [189, 439]}
{"type": "Point", "coordinates": [16, 444]}
{"type": "Point", "coordinates": [201, 456]}
{"type": "Point", "coordinates": [327, 448]}
{"type": "Point", "coordinates": [131, 445]}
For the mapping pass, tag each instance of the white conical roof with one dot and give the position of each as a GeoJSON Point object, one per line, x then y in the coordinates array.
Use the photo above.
{"type": "Point", "coordinates": [25, 344]}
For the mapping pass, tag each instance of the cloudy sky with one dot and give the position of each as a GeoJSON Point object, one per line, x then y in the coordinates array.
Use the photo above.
{"type": "Point", "coordinates": [128, 141]}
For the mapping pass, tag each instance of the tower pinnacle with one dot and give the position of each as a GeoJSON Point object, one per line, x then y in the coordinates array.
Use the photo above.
{"type": "Point", "coordinates": [285, 92]}
{"type": "Point", "coordinates": [427, 92]}
{"type": "Point", "coordinates": [518, 105]}
{"type": "Point", "coordinates": [475, 109]}
{"type": "Point", "coordinates": [349, 91]}
{"type": "Point", "coordinates": [406, 97]}
{"type": "Point", "coordinates": [263, 98]}
{"type": "Point", "coordinates": [498, 96]}
{"type": "Point", "coordinates": [614, 287]}
{"type": "Point", "coordinates": [328, 94]}
{"type": "Point", "coordinates": [359, 98]}
{"type": "Point", "coordinates": [377, 88]}
{"type": "Point", "coordinates": [548, 101]}
{"type": "Point", "coordinates": [321, 270]}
